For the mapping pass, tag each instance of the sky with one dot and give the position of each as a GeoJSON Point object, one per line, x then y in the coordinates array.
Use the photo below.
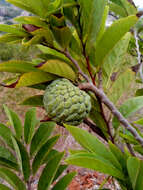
{"type": "Point", "coordinates": [139, 3]}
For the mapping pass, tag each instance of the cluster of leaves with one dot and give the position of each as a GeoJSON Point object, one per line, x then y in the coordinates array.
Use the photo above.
{"type": "Point", "coordinates": [23, 152]}
{"type": "Point", "coordinates": [125, 168]}
{"type": "Point", "coordinates": [72, 34]}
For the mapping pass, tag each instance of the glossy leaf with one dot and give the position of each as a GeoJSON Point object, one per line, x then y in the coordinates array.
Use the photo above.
{"type": "Point", "coordinates": [22, 4]}
{"type": "Point", "coordinates": [5, 134]}
{"type": "Point", "coordinates": [49, 51]}
{"type": "Point", "coordinates": [34, 20]}
{"type": "Point", "coordinates": [43, 152]}
{"type": "Point", "coordinates": [94, 162]}
{"type": "Point", "coordinates": [119, 155]}
{"type": "Point", "coordinates": [22, 158]}
{"type": "Point", "coordinates": [59, 68]}
{"type": "Point", "coordinates": [92, 144]}
{"type": "Point", "coordinates": [50, 155]}
{"type": "Point", "coordinates": [91, 18]}
{"type": "Point", "coordinates": [120, 85]}
{"type": "Point", "coordinates": [60, 171]}
{"type": "Point", "coordinates": [139, 122]}
{"type": "Point", "coordinates": [128, 108]}
{"type": "Point", "coordinates": [41, 136]}
{"type": "Point", "coordinates": [103, 24]}
{"type": "Point", "coordinates": [119, 10]}
{"type": "Point", "coordinates": [5, 38]}
{"type": "Point", "coordinates": [33, 41]}
{"type": "Point", "coordinates": [49, 172]}
{"type": "Point", "coordinates": [115, 59]}
{"type": "Point", "coordinates": [62, 35]}
{"type": "Point", "coordinates": [115, 32]}
{"type": "Point", "coordinates": [139, 92]}
{"type": "Point", "coordinates": [130, 9]}
{"type": "Point", "coordinates": [138, 148]}
{"type": "Point", "coordinates": [13, 30]}
{"type": "Point", "coordinates": [5, 153]}
{"type": "Point", "coordinates": [32, 78]}
{"type": "Point", "coordinates": [15, 66]}
{"type": "Point", "coordinates": [135, 170]}
{"type": "Point", "coordinates": [12, 179]}
{"type": "Point", "coordinates": [4, 187]}
{"type": "Point", "coordinates": [29, 125]}
{"type": "Point", "coordinates": [14, 121]}
{"type": "Point", "coordinates": [36, 100]}
{"type": "Point", "coordinates": [64, 181]}
{"type": "Point", "coordinates": [8, 164]}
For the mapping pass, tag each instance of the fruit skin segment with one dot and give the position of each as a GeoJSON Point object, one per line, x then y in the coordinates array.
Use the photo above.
{"type": "Point", "coordinates": [66, 103]}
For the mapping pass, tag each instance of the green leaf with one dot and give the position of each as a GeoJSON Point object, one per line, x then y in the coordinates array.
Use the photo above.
{"type": "Point", "coordinates": [34, 40]}
{"type": "Point", "coordinates": [23, 5]}
{"type": "Point", "coordinates": [94, 162]}
{"type": "Point", "coordinates": [14, 121]}
{"type": "Point", "coordinates": [128, 137]}
{"type": "Point", "coordinates": [60, 171]}
{"type": "Point", "coordinates": [12, 29]}
{"type": "Point", "coordinates": [91, 18]}
{"type": "Point", "coordinates": [135, 170]}
{"type": "Point", "coordinates": [32, 78]}
{"type": "Point", "coordinates": [139, 92]}
{"type": "Point", "coordinates": [37, 7]}
{"type": "Point", "coordinates": [8, 164]}
{"type": "Point", "coordinates": [64, 181]}
{"type": "Point", "coordinates": [7, 159]}
{"type": "Point", "coordinates": [36, 100]}
{"type": "Point", "coordinates": [50, 155]}
{"type": "Point", "coordinates": [34, 20]}
{"type": "Point", "coordinates": [118, 154]}
{"type": "Point", "coordinates": [15, 66]}
{"type": "Point", "coordinates": [128, 108]}
{"type": "Point", "coordinates": [62, 35]}
{"type": "Point", "coordinates": [115, 58]}
{"type": "Point", "coordinates": [22, 158]}
{"type": "Point", "coordinates": [92, 144]}
{"type": "Point", "coordinates": [130, 9]}
{"type": "Point", "coordinates": [59, 68]}
{"type": "Point", "coordinates": [43, 152]}
{"type": "Point", "coordinates": [49, 172]}
{"type": "Point", "coordinates": [115, 32]}
{"type": "Point", "coordinates": [139, 122]}
{"type": "Point", "coordinates": [5, 153]}
{"type": "Point", "coordinates": [119, 87]}
{"type": "Point", "coordinates": [29, 125]}
{"type": "Point", "coordinates": [103, 24]}
{"type": "Point", "coordinates": [49, 51]}
{"type": "Point", "coordinates": [41, 135]}
{"type": "Point", "coordinates": [12, 179]}
{"type": "Point", "coordinates": [4, 187]}
{"type": "Point", "coordinates": [5, 134]}
{"type": "Point", "coordinates": [138, 148]}
{"type": "Point", "coordinates": [5, 38]}
{"type": "Point", "coordinates": [118, 10]}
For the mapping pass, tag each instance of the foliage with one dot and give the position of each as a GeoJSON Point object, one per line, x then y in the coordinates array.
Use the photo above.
{"type": "Point", "coordinates": [76, 44]}
{"type": "Point", "coordinates": [23, 152]}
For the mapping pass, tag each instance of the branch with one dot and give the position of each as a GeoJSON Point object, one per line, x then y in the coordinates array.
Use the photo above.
{"type": "Point", "coordinates": [104, 99]}
{"type": "Point", "coordinates": [130, 149]}
{"type": "Point", "coordinates": [113, 109]}
{"type": "Point", "coordinates": [67, 54]}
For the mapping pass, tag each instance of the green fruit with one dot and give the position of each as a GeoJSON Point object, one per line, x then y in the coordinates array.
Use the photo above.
{"type": "Point", "coordinates": [66, 103]}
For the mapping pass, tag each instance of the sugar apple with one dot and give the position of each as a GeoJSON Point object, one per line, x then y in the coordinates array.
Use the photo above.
{"type": "Point", "coordinates": [66, 103]}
